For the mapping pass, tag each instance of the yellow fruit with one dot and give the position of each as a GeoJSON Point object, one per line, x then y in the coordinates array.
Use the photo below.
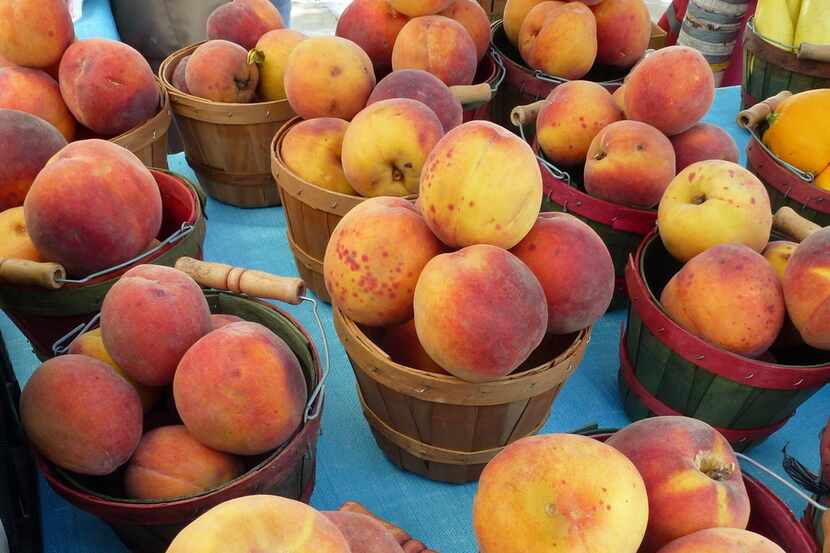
{"type": "Point", "coordinates": [813, 20]}
{"type": "Point", "coordinates": [271, 54]}
{"type": "Point", "coordinates": [773, 21]}
{"type": "Point", "coordinates": [797, 130]}
{"type": "Point", "coordinates": [794, 7]}
{"type": "Point", "coordinates": [823, 180]}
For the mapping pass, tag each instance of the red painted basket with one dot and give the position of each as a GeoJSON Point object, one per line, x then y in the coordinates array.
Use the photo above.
{"type": "Point", "coordinates": [666, 370]}
{"type": "Point", "coordinates": [492, 72]}
{"type": "Point", "coordinates": [45, 315]}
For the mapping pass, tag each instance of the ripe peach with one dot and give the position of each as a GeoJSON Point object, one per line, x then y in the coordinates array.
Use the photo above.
{"type": "Point", "coordinates": [619, 98]}
{"type": "Point", "coordinates": [272, 52]}
{"type": "Point", "coordinates": [439, 45]}
{"type": "Point", "coordinates": [481, 185]}
{"type": "Point", "coordinates": [807, 289]}
{"type": "Point", "coordinates": [402, 345]}
{"type": "Point", "coordinates": [374, 26]}
{"type": "Point", "coordinates": [574, 267]}
{"type": "Point", "coordinates": [515, 12]}
{"type": "Point", "coordinates": [93, 206]}
{"type": "Point", "coordinates": [328, 77]}
{"type": "Point", "coordinates": [670, 89]}
{"type": "Point", "coordinates": [37, 93]}
{"type": "Point", "coordinates": [702, 142]}
{"type": "Point", "coordinates": [16, 242]}
{"type": "Point", "coordinates": [629, 163]}
{"type": "Point", "coordinates": [425, 87]}
{"type": "Point", "coordinates": [364, 534]}
{"type": "Point", "coordinates": [219, 71]}
{"type": "Point", "coordinates": [240, 389]}
{"type": "Point", "coordinates": [729, 296]}
{"type": "Point", "coordinates": [479, 312]}
{"type": "Point", "coordinates": [108, 86]}
{"type": "Point", "coordinates": [386, 145]}
{"type": "Point", "coordinates": [565, 44]}
{"type": "Point", "coordinates": [623, 31]}
{"type": "Point", "coordinates": [417, 8]}
{"type": "Point", "coordinates": [778, 254]}
{"type": "Point", "coordinates": [243, 21]}
{"type": "Point", "coordinates": [179, 79]}
{"type": "Point", "coordinates": [170, 463]}
{"type": "Point", "coordinates": [35, 33]}
{"type": "Point", "coordinates": [218, 321]}
{"type": "Point", "coordinates": [26, 144]}
{"type": "Point", "coordinates": [159, 298]}
{"type": "Point", "coordinates": [722, 540]}
{"type": "Point", "coordinates": [260, 522]}
{"type": "Point", "coordinates": [533, 24]}
{"type": "Point", "coordinates": [374, 258]}
{"type": "Point", "coordinates": [691, 474]}
{"type": "Point", "coordinates": [81, 415]}
{"type": "Point", "coordinates": [573, 114]}
{"type": "Point", "coordinates": [473, 18]}
{"type": "Point", "coordinates": [556, 493]}
{"type": "Point", "coordinates": [312, 149]}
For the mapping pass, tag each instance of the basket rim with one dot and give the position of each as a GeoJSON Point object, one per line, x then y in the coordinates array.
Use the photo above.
{"type": "Point", "coordinates": [739, 369]}
{"type": "Point", "coordinates": [785, 59]}
{"type": "Point", "coordinates": [161, 120]}
{"type": "Point", "coordinates": [785, 181]}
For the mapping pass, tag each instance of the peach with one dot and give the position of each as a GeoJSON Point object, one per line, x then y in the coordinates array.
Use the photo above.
{"type": "Point", "coordinates": [5, 63]}
{"type": "Point", "coordinates": [691, 474]}
{"type": "Point", "coordinates": [574, 267]}
{"type": "Point", "coordinates": [26, 144]}
{"type": "Point", "coordinates": [218, 321]}
{"type": "Point", "coordinates": [722, 540]}
{"type": "Point", "coordinates": [91, 344]}
{"type": "Point", "coordinates": [35, 33]}
{"type": "Point", "coordinates": [702, 142]}
{"type": "Point", "coordinates": [81, 415]}
{"type": "Point", "coordinates": [623, 31]}
{"type": "Point", "coordinates": [807, 291]}
{"type": "Point", "coordinates": [778, 254]}
{"type": "Point", "coordinates": [713, 202]}
{"type": "Point", "coordinates": [473, 18]}
{"type": "Point", "coordinates": [374, 258]}
{"type": "Point", "coordinates": [629, 163]}
{"type": "Point", "coordinates": [16, 242]}
{"type": "Point", "coordinates": [37, 93]}
{"type": "Point", "coordinates": [425, 87]}
{"type": "Point", "coordinates": [364, 534]}
{"type": "Point", "coordinates": [169, 463]}
{"type": "Point", "coordinates": [671, 89]}
{"type": "Point", "coordinates": [619, 98]}
{"type": "Point", "coordinates": [159, 298]}
{"type": "Point", "coordinates": [243, 21]}
{"type": "Point", "coordinates": [560, 492]}
{"type": "Point", "coordinates": [374, 26]}
{"type": "Point", "coordinates": [533, 24]}
{"type": "Point", "coordinates": [402, 345]}
{"type": "Point", "coordinates": [179, 79]}
{"type": "Point", "coordinates": [240, 389]}
{"type": "Point", "coordinates": [328, 77]}
{"type": "Point", "coordinates": [573, 114]}
{"type": "Point", "coordinates": [565, 44]}
{"type": "Point", "coordinates": [439, 45]}
{"type": "Point", "coordinates": [417, 8]}
{"type": "Point", "coordinates": [729, 296]}
{"type": "Point", "coordinates": [261, 522]}
{"type": "Point", "coordinates": [386, 145]}
{"type": "Point", "coordinates": [312, 149]}
{"type": "Point", "coordinates": [479, 312]}
{"type": "Point", "coordinates": [481, 185]}
{"type": "Point", "coordinates": [94, 205]}
{"type": "Point", "coordinates": [272, 52]}
{"type": "Point", "coordinates": [219, 71]}
{"type": "Point", "coordinates": [515, 12]}
{"type": "Point", "coordinates": [108, 86]}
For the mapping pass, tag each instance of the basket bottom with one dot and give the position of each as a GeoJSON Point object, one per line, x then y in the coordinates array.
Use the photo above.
{"type": "Point", "coordinates": [246, 191]}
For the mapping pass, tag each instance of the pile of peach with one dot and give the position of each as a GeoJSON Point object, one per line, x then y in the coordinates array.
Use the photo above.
{"type": "Point", "coordinates": [238, 390]}
{"type": "Point", "coordinates": [633, 143]}
{"type": "Point", "coordinates": [469, 280]}
{"type": "Point", "coordinates": [660, 485]}
{"type": "Point", "coordinates": [737, 290]}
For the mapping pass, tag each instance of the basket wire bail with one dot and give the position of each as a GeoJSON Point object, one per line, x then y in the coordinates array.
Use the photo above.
{"type": "Point", "coordinates": [312, 411]}
{"type": "Point", "coordinates": [782, 480]}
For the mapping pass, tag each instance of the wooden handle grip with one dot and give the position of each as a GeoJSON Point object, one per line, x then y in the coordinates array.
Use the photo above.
{"type": "Point", "coordinates": [524, 115]}
{"type": "Point", "coordinates": [243, 281]}
{"type": "Point", "coordinates": [792, 224]}
{"type": "Point", "coordinates": [31, 273]}
{"type": "Point", "coordinates": [472, 94]}
{"type": "Point", "coordinates": [814, 52]}
{"type": "Point", "coordinates": [406, 542]}
{"type": "Point", "coordinates": [754, 116]}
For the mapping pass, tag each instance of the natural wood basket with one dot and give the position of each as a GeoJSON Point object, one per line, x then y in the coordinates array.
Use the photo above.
{"type": "Point", "coordinates": [148, 141]}
{"type": "Point", "coordinates": [444, 428]}
{"type": "Point", "coordinates": [494, 8]}
{"type": "Point", "coordinates": [227, 145]}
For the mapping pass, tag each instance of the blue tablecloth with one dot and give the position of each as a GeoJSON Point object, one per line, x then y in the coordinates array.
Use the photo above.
{"type": "Point", "coordinates": [350, 466]}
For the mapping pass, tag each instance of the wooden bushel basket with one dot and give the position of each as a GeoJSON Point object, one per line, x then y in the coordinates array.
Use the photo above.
{"type": "Point", "coordinates": [770, 68]}
{"type": "Point", "coordinates": [45, 305]}
{"type": "Point", "coordinates": [494, 8]}
{"type": "Point", "coordinates": [665, 370]}
{"type": "Point", "coordinates": [227, 145]}
{"type": "Point", "coordinates": [288, 471]}
{"type": "Point", "coordinates": [444, 428]}
{"type": "Point", "coordinates": [148, 141]}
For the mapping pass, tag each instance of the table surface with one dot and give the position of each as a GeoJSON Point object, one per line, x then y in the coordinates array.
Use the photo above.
{"type": "Point", "coordinates": [350, 466]}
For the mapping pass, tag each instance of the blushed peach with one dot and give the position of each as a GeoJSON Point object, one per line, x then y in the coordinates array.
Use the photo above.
{"type": "Point", "coordinates": [439, 45]}
{"type": "Point", "coordinates": [374, 26]}
{"type": "Point", "coordinates": [417, 8]}
{"type": "Point", "coordinates": [243, 21]}
{"type": "Point", "coordinates": [364, 534]}
{"type": "Point", "coordinates": [778, 254]}
{"type": "Point", "coordinates": [402, 345]}
{"type": "Point", "coordinates": [515, 12]}
{"type": "Point", "coordinates": [218, 321]}
{"type": "Point", "coordinates": [425, 87]}
{"type": "Point", "coordinates": [312, 150]}
{"type": "Point", "coordinates": [37, 93]}
{"type": "Point", "coordinates": [702, 142]}
{"type": "Point", "coordinates": [272, 52]}
{"type": "Point", "coordinates": [219, 71]}
{"type": "Point", "coordinates": [623, 31]}
{"type": "Point", "coordinates": [473, 18]}
{"type": "Point", "coordinates": [35, 33]}
{"type": "Point", "coordinates": [722, 540]}
{"type": "Point", "coordinates": [565, 44]}
{"type": "Point", "coordinates": [179, 79]}
{"type": "Point", "coordinates": [807, 289]}
{"type": "Point", "coordinates": [16, 241]}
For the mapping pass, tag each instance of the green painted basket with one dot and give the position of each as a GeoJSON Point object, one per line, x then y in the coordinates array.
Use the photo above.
{"type": "Point", "coordinates": [665, 370]}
